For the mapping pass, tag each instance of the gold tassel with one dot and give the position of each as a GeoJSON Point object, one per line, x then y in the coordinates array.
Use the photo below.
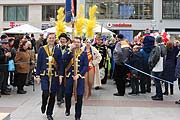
{"type": "Point", "coordinates": [80, 22]}
{"type": "Point", "coordinates": [91, 23]}
{"type": "Point", "coordinates": [60, 24]}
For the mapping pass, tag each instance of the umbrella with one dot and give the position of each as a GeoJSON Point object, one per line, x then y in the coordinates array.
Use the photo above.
{"type": "Point", "coordinates": [69, 29]}
{"type": "Point", "coordinates": [26, 28]}
{"type": "Point", "coordinates": [104, 30]}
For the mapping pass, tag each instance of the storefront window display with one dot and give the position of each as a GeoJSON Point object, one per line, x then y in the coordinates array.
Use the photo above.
{"type": "Point", "coordinates": [122, 9]}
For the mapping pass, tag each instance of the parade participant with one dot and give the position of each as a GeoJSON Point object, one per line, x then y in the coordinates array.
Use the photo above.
{"type": "Point", "coordinates": [94, 58]}
{"type": "Point", "coordinates": [63, 39]}
{"type": "Point", "coordinates": [103, 51]}
{"type": "Point", "coordinates": [75, 71]}
{"type": "Point", "coordinates": [49, 63]}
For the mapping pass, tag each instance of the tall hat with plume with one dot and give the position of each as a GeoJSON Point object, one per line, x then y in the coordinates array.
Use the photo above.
{"type": "Point", "coordinates": [79, 24]}
{"type": "Point", "coordinates": [60, 24]}
{"type": "Point", "coordinates": [91, 22]}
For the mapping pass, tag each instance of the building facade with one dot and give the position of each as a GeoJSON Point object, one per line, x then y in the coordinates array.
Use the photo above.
{"type": "Point", "coordinates": [121, 16]}
{"type": "Point", "coordinates": [39, 13]}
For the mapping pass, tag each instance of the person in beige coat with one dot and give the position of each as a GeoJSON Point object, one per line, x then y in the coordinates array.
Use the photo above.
{"type": "Point", "coordinates": [22, 60]}
{"type": "Point", "coordinates": [92, 76]}
{"type": "Point", "coordinates": [31, 52]}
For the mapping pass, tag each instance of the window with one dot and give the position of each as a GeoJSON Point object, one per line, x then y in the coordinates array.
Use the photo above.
{"type": "Point", "coordinates": [49, 11]}
{"type": "Point", "coordinates": [171, 9]}
{"type": "Point", "coordinates": [15, 13]}
{"type": "Point", "coordinates": [122, 9]}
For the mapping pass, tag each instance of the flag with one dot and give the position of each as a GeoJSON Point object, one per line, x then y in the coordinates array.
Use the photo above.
{"type": "Point", "coordinates": [73, 7]}
{"type": "Point", "coordinates": [68, 11]}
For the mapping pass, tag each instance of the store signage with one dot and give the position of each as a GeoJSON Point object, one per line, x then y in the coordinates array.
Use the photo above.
{"type": "Point", "coordinates": [12, 24]}
{"type": "Point", "coordinates": [119, 25]}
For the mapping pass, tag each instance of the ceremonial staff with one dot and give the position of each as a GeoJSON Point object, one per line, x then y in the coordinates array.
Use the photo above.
{"type": "Point", "coordinates": [75, 60]}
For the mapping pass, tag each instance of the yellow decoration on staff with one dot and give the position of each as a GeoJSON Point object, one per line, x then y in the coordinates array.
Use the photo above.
{"type": "Point", "coordinates": [60, 24]}
{"type": "Point", "coordinates": [80, 22]}
{"type": "Point", "coordinates": [91, 23]}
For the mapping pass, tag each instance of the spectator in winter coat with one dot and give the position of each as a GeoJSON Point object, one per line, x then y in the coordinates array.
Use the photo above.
{"type": "Point", "coordinates": [135, 61]}
{"type": "Point", "coordinates": [169, 66]}
{"type": "Point", "coordinates": [155, 61]}
{"type": "Point", "coordinates": [177, 74]}
{"type": "Point", "coordinates": [145, 81]}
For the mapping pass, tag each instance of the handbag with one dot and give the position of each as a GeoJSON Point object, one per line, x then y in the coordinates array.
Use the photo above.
{"type": "Point", "coordinates": [159, 66]}
{"type": "Point", "coordinates": [11, 66]}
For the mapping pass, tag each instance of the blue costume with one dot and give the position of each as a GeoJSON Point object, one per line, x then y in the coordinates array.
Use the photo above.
{"type": "Point", "coordinates": [82, 67]}
{"type": "Point", "coordinates": [49, 68]}
{"type": "Point", "coordinates": [42, 68]}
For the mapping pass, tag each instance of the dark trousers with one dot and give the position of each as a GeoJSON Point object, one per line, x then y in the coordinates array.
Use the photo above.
{"type": "Point", "coordinates": [120, 74]}
{"type": "Point", "coordinates": [179, 83]}
{"type": "Point", "coordinates": [145, 83]}
{"type": "Point", "coordinates": [158, 84]}
{"type": "Point", "coordinates": [11, 77]}
{"type": "Point", "coordinates": [135, 84]}
{"type": "Point", "coordinates": [50, 98]}
{"type": "Point", "coordinates": [104, 80]}
{"type": "Point", "coordinates": [5, 81]}
{"type": "Point", "coordinates": [21, 80]}
{"type": "Point", "coordinates": [1, 79]}
{"type": "Point", "coordinates": [167, 88]}
{"type": "Point", "coordinates": [60, 92]}
{"type": "Point", "coordinates": [78, 105]}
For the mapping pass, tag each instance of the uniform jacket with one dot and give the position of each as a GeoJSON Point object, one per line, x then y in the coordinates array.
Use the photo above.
{"type": "Point", "coordinates": [103, 51]}
{"type": "Point", "coordinates": [42, 62]}
{"type": "Point", "coordinates": [81, 71]}
{"type": "Point", "coordinates": [42, 69]}
{"type": "Point", "coordinates": [22, 61]}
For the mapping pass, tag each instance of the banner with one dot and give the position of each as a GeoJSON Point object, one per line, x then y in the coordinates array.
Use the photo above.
{"type": "Point", "coordinates": [71, 9]}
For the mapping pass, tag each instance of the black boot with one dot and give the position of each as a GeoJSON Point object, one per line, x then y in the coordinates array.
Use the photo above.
{"type": "Point", "coordinates": [49, 117]}
{"type": "Point", "coordinates": [45, 96]}
{"type": "Point", "coordinates": [68, 104]}
{"type": "Point", "coordinates": [78, 107]}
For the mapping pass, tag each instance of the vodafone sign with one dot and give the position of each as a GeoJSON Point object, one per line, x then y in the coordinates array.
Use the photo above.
{"type": "Point", "coordinates": [119, 25]}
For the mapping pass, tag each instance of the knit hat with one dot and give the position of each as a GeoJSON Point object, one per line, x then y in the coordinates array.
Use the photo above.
{"type": "Point", "coordinates": [159, 39]}
{"type": "Point", "coordinates": [148, 41]}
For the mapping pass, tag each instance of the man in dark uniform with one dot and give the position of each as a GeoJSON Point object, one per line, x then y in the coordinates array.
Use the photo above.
{"type": "Point", "coordinates": [102, 48]}
{"type": "Point", "coordinates": [62, 44]}
{"type": "Point", "coordinates": [49, 63]}
{"type": "Point", "coordinates": [75, 70]}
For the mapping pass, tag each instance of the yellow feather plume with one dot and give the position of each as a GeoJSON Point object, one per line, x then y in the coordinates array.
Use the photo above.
{"type": "Point", "coordinates": [91, 23]}
{"type": "Point", "coordinates": [80, 22]}
{"type": "Point", "coordinates": [60, 24]}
